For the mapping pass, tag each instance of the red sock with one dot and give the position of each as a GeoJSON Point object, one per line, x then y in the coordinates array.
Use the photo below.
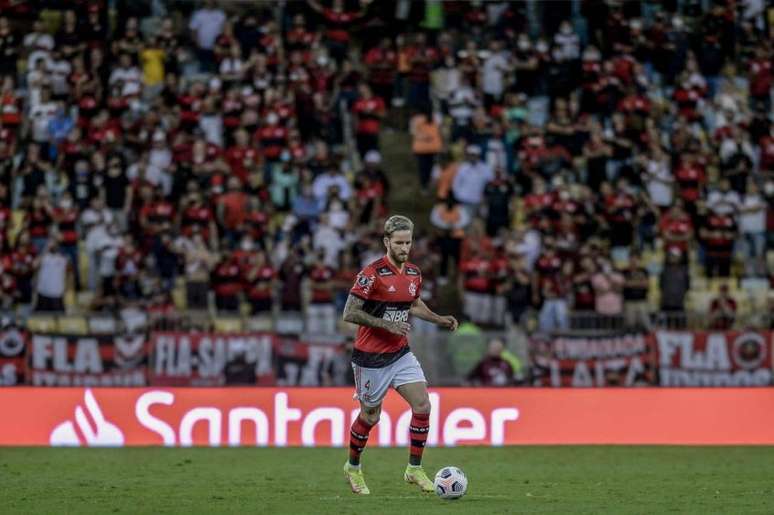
{"type": "Point", "coordinates": [420, 426]}
{"type": "Point", "coordinates": [358, 438]}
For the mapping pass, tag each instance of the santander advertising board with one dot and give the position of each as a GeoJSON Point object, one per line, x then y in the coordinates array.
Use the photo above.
{"type": "Point", "coordinates": [321, 416]}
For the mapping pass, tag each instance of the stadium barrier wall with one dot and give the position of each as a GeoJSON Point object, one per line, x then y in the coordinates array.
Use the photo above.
{"type": "Point", "coordinates": [217, 417]}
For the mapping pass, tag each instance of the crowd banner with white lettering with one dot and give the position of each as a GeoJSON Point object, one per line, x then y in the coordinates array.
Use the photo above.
{"type": "Point", "coordinates": [211, 359]}
{"type": "Point", "coordinates": [95, 360]}
{"type": "Point", "coordinates": [725, 358]}
{"type": "Point", "coordinates": [621, 360]}
{"type": "Point", "coordinates": [13, 346]}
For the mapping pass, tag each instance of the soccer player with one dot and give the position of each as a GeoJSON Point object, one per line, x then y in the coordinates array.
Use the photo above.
{"type": "Point", "coordinates": [384, 294]}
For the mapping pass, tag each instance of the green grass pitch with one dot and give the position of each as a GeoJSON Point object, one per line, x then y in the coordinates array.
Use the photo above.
{"type": "Point", "coordinates": [562, 480]}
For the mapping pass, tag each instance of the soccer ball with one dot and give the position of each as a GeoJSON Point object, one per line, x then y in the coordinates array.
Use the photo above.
{"type": "Point", "coordinates": [450, 483]}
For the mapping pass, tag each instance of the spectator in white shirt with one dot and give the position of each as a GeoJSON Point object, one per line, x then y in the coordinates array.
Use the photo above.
{"type": "Point", "coordinates": [329, 240]}
{"type": "Point", "coordinates": [41, 113]}
{"type": "Point", "coordinates": [38, 44]}
{"type": "Point", "coordinates": [471, 179]}
{"type": "Point", "coordinates": [446, 80]}
{"type": "Point", "coordinates": [59, 70]}
{"type": "Point", "coordinates": [38, 77]}
{"type": "Point", "coordinates": [723, 200]}
{"type": "Point", "coordinates": [332, 178]}
{"type": "Point", "coordinates": [495, 67]}
{"type": "Point", "coordinates": [52, 278]}
{"type": "Point", "coordinates": [95, 222]}
{"type": "Point", "coordinates": [752, 225]}
{"type": "Point", "coordinates": [206, 25]}
{"type": "Point", "coordinates": [462, 104]}
{"type": "Point", "coordinates": [659, 180]}
{"type": "Point", "coordinates": [128, 76]}
{"type": "Point", "coordinates": [567, 42]}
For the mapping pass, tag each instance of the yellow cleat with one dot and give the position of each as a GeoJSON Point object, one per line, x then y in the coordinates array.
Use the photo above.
{"type": "Point", "coordinates": [417, 476]}
{"type": "Point", "coordinates": [356, 480]}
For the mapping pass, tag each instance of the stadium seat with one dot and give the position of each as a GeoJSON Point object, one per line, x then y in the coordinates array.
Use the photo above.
{"type": "Point", "coordinates": [259, 324]}
{"type": "Point", "coordinates": [102, 324]}
{"type": "Point", "coordinates": [42, 324]}
{"type": "Point", "coordinates": [72, 325]}
{"type": "Point", "coordinates": [228, 325]}
{"type": "Point", "coordinates": [17, 221]}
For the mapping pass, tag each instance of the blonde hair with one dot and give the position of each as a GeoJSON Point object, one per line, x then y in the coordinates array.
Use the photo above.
{"type": "Point", "coordinates": [397, 223]}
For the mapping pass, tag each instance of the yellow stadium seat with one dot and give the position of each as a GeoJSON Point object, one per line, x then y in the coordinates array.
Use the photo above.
{"type": "Point", "coordinates": [179, 298]}
{"type": "Point", "coordinates": [262, 323]}
{"type": "Point", "coordinates": [228, 325]}
{"type": "Point", "coordinates": [72, 325]}
{"type": "Point", "coordinates": [42, 324]}
{"type": "Point", "coordinates": [698, 300]}
{"type": "Point", "coordinates": [17, 221]}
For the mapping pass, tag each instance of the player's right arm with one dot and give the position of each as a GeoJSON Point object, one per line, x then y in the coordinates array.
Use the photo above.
{"type": "Point", "coordinates": [354, 314]}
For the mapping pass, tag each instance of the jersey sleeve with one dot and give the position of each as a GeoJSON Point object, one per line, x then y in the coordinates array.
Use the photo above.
{"type": "Point", "coordinates": [364, 284]}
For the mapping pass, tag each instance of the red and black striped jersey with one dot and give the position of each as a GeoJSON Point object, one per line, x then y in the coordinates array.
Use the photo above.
{"type": "Point", "coordinates": [388, 293]}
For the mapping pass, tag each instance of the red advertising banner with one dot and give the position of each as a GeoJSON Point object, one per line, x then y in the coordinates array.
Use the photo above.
{"type": "Point", "coordinates": [13, 346]}
{"type": "Point", "coordinates": [321, 417]}
{"type": "Point", "coordinates": [98, 360]}
{"type": "Point", "coordinates": [619, 360]}
{"type": "Point", "coordinates": [727, 358]}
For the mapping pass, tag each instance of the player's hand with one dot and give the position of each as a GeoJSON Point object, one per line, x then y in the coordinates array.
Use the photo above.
{"type": "Point", "coordinates": [449, 322]}
{"type": "Point", "coordinates": [399, 328]}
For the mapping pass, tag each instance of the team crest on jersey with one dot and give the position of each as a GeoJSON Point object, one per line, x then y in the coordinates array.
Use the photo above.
{"type": "Point", "coordinates": [365, 282]}
{"type": "Point", "coordinates": [384, 271]}
{"type": "Point", "coordinates": [412, 271]}
{"type": "Point", "coordinates": [412, 288]}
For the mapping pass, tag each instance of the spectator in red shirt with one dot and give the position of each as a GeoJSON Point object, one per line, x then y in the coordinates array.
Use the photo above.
{"type": "Point", "coordinates": [226, 282]}
{"type": "Point", "coordinates": [382, 63]}
{"type": "Point", "coordinates": [761, 77]}
{"type": "Point", "coordinates": [231, 210]}
{"type": "Point", "coordinates": [273, 138]}
{"type": "Point", "coordinates": [475, 280]}
{"type": "Point", "coordinates": [722, 310]}
{"type": "Point", "coordinates": [492, 370]}
{"type": "Point", "coordinates": [370, 111]}
{"type": "Point", "coordinates": [197, 214]}
{"type": "Point", "coordinates": [261, 279]}
{"type": "Point", "coordinates": [676, 229]}
{"type": "Point", "coordinates": [422, 60]}
{"type": "Point", "coordinates": [242, 158]}
{"type": "Point", "coordinates": [66, 218]}
{"type": "Point", "coordinates": [321, 311]}
{"type": "Point", "coordinates": [23, 266]}
{"type": "Point", "coordinates": [339, 23]}
{"type": "Point", "coordinates": [718, 235]}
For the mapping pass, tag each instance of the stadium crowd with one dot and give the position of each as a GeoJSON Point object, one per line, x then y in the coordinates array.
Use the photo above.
{"type": "Point", "coordinates": [596, 157]}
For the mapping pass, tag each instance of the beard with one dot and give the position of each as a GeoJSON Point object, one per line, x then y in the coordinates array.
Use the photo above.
{"type": "Point", "coordinates": [398, 257]}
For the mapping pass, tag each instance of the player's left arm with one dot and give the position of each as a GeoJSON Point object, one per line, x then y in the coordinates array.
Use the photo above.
{"type": "Point", "coordinates": [420, 310]}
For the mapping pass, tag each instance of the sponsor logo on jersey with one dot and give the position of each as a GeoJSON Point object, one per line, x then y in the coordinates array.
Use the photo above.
{"type": "Point", "coordinates": [391, 289]}
{"type": "Point", "coordinates": [412, 271]}
{"type": "Point", "coordinates": [394, 315]}
{"type": "Point", "coordinates": [384, 271]}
